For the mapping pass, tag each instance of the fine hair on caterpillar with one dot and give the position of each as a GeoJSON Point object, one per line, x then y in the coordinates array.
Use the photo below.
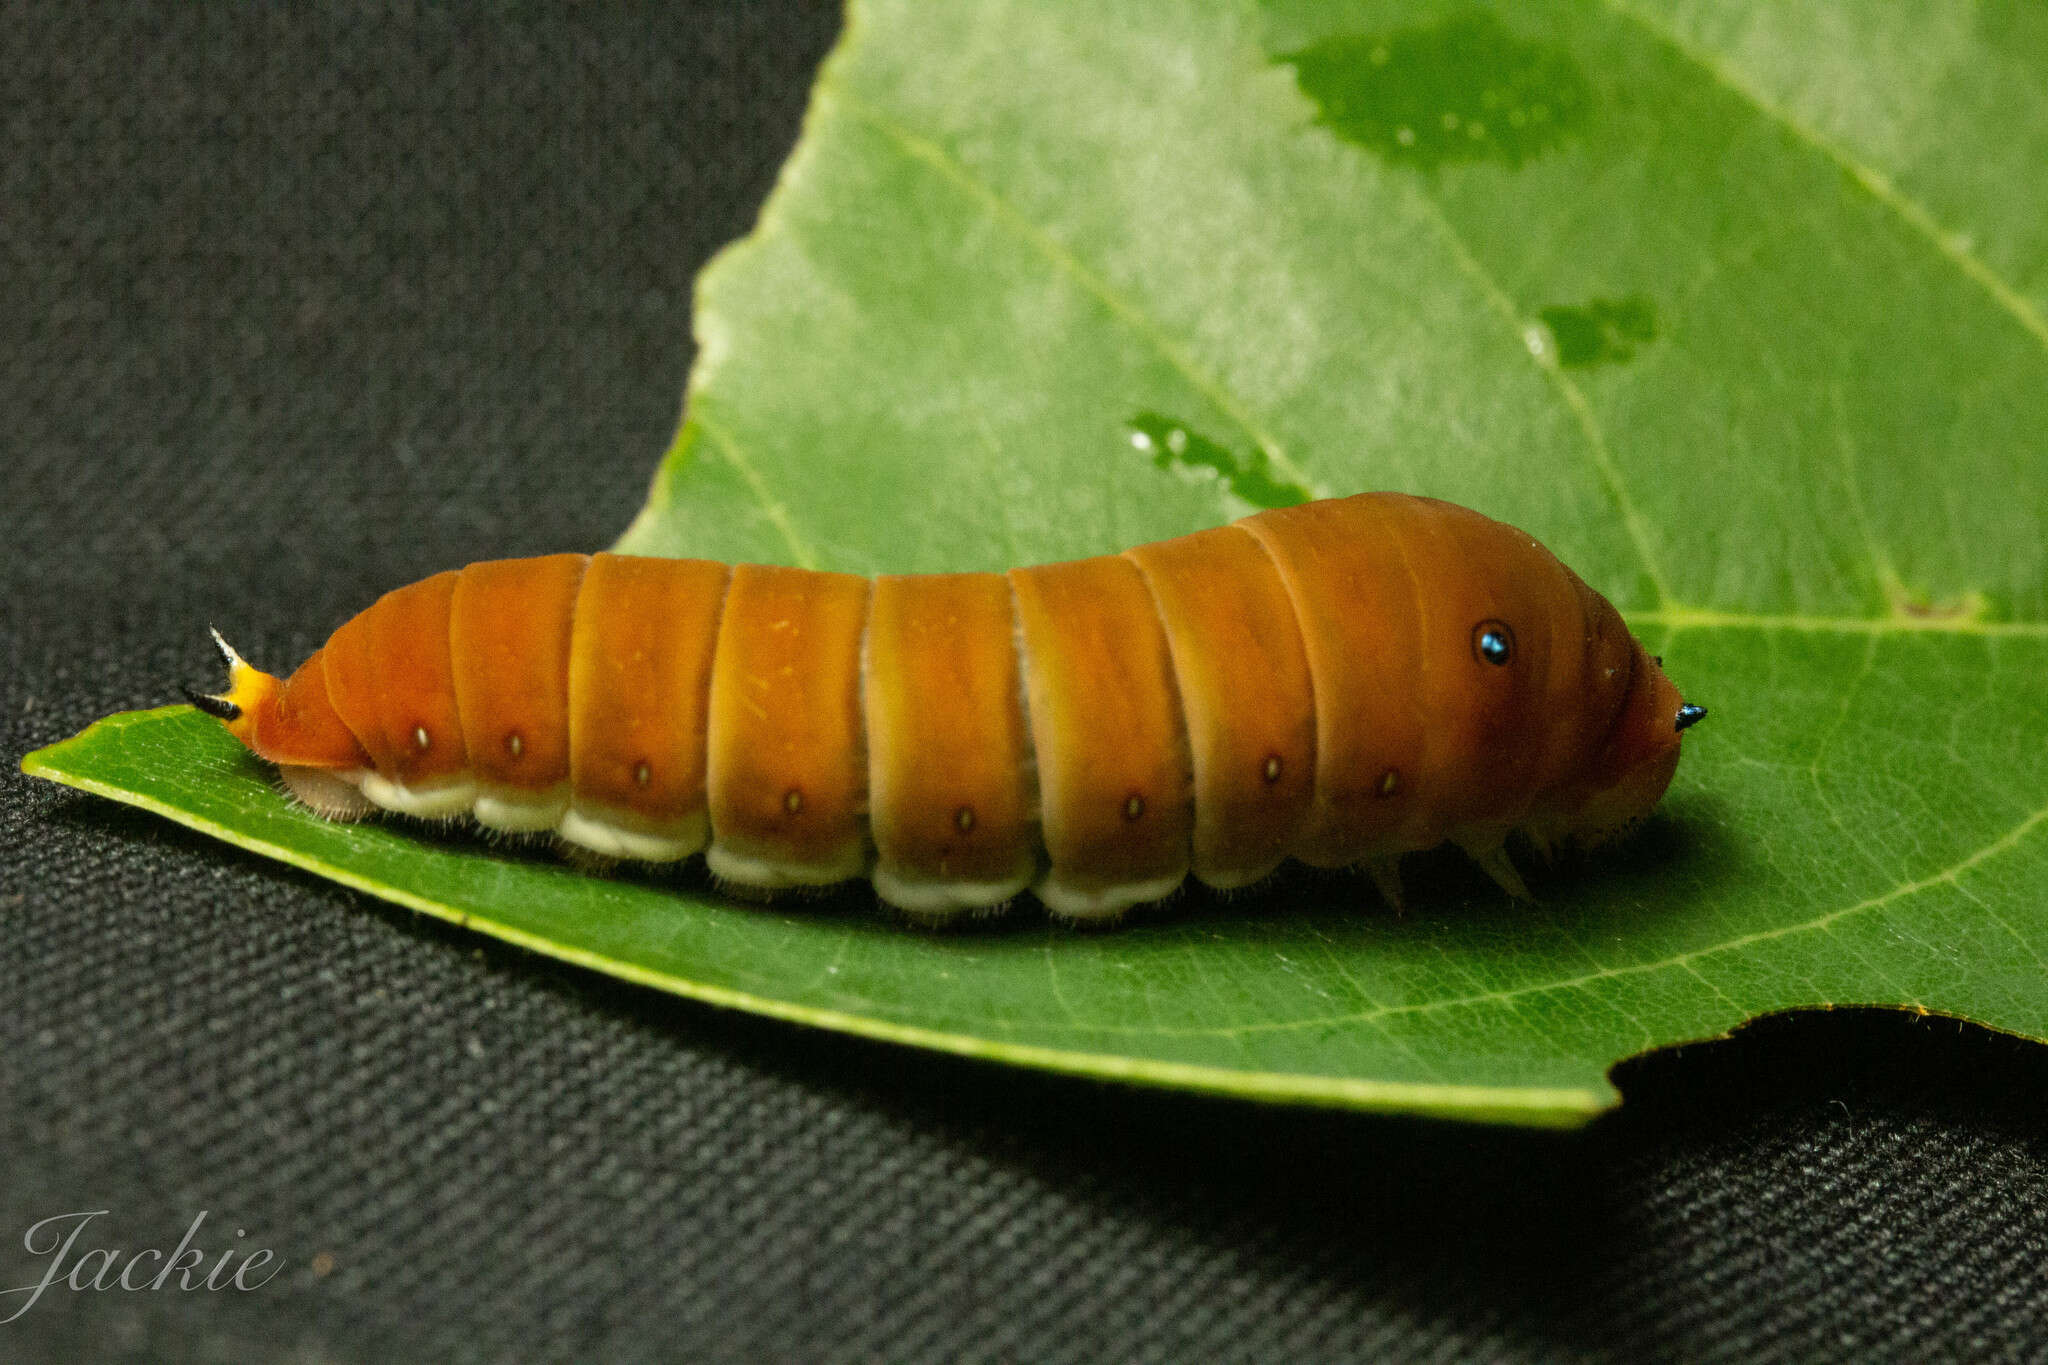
{"type": "Point", "coordinates": [1341, 683]}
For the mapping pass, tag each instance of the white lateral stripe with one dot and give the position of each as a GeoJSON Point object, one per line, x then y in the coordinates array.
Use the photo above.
{"type": "Point", "coordinates": [529, 814]}
{"type": "Point", "coordinates": [921, 896]}
{"type": "Point", "coordinates": [615, 841]}
{"type": "Point", "coordinates": [1068, 901]}
{"type": "Point", "coordinates": [454, 797]}
{"type": "Point", "coordinates": [768, 874]}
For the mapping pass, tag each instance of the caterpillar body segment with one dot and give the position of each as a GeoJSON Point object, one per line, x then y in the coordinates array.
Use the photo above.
{"type": "Point", "coordinates": [787, 776]}
{"type": "Point", "coordinates": [1340, 682]}
{"type": "Point", "coordinates": [1245, 696]}
{"type": "Point", "coordinates": [952, 784]}
{"type": "Point", "coordinates": [512, 686]}
{"type": "Point", "coordinates": [640, 651]}
{"type": "Point", "coordinates": [390, 675]}
{"type": "Point", "coordinates": [1113, 774]}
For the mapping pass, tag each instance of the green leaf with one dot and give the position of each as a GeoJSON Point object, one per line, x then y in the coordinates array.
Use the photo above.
{"type": "Point", "coordinates": [1738, 307]}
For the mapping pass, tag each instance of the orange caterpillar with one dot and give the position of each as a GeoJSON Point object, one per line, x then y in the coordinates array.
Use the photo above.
{"type": "Point", "coordinates": [1340, 682]}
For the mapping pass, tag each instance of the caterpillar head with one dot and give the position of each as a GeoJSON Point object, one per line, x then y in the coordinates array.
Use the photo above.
{"type": "Point", "coordinates": [1627, 774]}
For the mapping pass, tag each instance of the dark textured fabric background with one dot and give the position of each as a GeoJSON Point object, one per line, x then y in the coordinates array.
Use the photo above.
{"type": "Point", "coordinates": [296, 306]}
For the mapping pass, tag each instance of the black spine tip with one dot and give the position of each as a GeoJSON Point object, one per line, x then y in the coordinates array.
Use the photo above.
{"type": "Point", "coordinates": [218, 707]}
{"type": "Point", "coordinates": [1690, 715]}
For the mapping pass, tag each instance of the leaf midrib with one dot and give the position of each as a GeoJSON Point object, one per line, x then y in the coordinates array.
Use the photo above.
{"type": "Point", "coordinates": [1665, 612]}
{"type": "Point", "coordinates": [1063, 259]}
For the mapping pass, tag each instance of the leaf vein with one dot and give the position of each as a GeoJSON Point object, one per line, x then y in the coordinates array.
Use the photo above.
{"type": "Point", "coordinates": [771, 507]}
{"type": "Point", "coordinates": [1707, 618]}
{"type": "Point", "coordinates": [949, 168]}
{"type": "Point", "coordinates": [1948, 876]}
{"type": "Point", "coordinates": [1875, 182]}
{"type": "Point", "coordinates": [1573, 396]}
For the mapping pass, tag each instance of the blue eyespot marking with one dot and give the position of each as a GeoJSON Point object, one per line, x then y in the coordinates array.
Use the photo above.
{"type": "Point", "coordinates": [1493, 643]}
